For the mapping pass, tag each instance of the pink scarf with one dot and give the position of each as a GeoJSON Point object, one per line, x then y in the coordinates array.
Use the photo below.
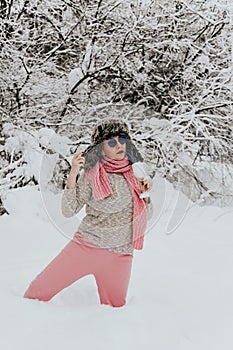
{"type": "Point", "coordinates": [97, 176]}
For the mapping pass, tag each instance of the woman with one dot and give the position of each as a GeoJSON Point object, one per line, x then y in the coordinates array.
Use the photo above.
{"type": "Point", "coordinates": [115, 219]}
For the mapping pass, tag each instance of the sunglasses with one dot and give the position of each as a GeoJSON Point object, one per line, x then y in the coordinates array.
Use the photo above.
{"type": "Point", "coordinates": [113, 142]}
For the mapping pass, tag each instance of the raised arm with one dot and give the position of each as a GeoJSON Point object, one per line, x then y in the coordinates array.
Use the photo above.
{"type": "Point", "coordinates": [77, 192]}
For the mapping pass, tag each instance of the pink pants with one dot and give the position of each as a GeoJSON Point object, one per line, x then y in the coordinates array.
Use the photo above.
{"type": "Point", "coordinates": [111, 271]}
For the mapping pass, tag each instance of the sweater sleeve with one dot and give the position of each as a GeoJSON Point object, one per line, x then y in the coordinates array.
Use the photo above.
{"type": "Point", "coordinates": [73, 199]}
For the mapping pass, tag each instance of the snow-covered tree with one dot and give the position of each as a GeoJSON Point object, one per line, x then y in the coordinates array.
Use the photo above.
{"type": "Point", "coordinates": [164, 66]}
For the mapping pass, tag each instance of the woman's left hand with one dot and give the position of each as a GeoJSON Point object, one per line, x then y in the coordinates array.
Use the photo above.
{"type": "Point", "coordinates": [145, 185]}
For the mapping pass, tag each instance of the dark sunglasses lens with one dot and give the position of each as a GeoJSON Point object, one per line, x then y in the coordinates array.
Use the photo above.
{"type": "Point", "coordinates": [122, 140]}
{"type": "Point", "coordinates": [112, 143]}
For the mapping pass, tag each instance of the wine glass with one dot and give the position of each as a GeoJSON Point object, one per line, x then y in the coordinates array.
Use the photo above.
{"type": "Point", "coordinates": [141, 174]}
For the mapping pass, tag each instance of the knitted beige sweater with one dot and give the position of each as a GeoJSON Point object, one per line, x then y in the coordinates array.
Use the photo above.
{"type": "Point", "coordinates": [108, 222]}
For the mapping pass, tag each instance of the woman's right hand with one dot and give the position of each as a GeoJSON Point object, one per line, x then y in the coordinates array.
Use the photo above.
{"type": "Point", "coordinates": [77, 162]}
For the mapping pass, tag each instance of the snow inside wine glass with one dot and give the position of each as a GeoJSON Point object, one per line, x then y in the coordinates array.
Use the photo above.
{"type": "Point", "coordinates": [141, 174]}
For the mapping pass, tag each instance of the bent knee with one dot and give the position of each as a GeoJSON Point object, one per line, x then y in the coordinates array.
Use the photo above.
{"type": "Point", "coordinates": [35, 292]}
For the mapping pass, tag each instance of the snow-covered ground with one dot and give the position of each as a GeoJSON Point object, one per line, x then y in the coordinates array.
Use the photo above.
{"type": "Point", "coordinates": [180, 295]}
